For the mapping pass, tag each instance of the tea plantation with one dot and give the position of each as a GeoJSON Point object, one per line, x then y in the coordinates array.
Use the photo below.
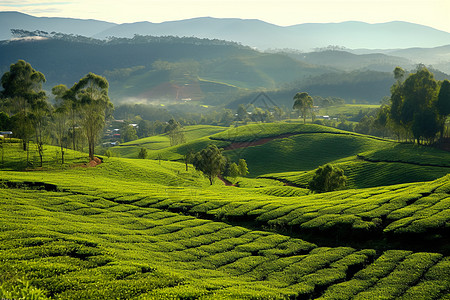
{"type": "Point", "coordinates": [149, 229]}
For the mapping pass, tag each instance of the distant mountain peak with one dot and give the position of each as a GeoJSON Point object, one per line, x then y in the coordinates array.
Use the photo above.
{"type": "Point", "coordinates": [252, 32]}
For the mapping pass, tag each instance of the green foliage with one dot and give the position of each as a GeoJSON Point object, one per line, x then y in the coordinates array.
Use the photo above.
{"type": "Point", "coordinates": [233, 170]}
{"type": "Point", "coordinates": [210, 161]}
{"type": "Point", "coordinates": [304, 103]}
{"type": "Point", "coordinates": [143, 153]}
{"type": "Point", "coordinates": [94, 105]}
{"type": "Point", "coordinates": [175, 133]}
{"type": "Point", "coordinates": [24, 98]}
{"type": "Point", "coordinates": [415, 105]}
{"type": "Point", "coordinates": [242, 167]}
{"type": "Point", "coordinates": [327, 178]}
{"type": "Point", "coordinates": [443, 100]}
{"type": "Point", "coordinates": [21, 289]}
{"type": "Point", "coordinates": [128, 134]}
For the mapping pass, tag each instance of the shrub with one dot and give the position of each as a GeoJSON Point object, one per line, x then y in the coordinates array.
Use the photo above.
{"type": "Point", "coordinates": [327, 178]}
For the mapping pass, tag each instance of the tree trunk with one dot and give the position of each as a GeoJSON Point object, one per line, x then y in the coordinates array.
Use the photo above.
{"type": "Point", "coordinates": [62, 154]}
{"type": "Point", "coordinates": [73, 138]}
{"type": "Point", "coordinates": [210, 180]}
{"type": "Point", "coordinates": [91, 150]}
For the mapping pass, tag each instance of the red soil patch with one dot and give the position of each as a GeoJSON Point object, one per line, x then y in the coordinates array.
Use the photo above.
{"type": "Point", "coordinates": [93, 163]}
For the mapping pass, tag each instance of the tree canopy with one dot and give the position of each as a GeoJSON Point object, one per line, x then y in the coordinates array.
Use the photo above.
{"type": "Point", "coordinates": [327, 178]}
{"type": "Point", "coordinates": [415, 105]}
{"type": "Point", "coordinates": [303, 103]}
{"type": "Point", "coordinates": [210, 161]}
{"type": "Point", "coordinates": [92, 93]}
{"type": "Point", "coordinates": [23, 98]}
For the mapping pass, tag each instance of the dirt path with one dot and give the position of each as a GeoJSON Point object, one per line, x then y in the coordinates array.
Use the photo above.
{"type": "Point", "coordinates": [225, 181]}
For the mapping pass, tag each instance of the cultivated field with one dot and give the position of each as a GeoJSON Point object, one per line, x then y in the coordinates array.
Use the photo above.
{"type": "Point", "coordinates": [149, 229]}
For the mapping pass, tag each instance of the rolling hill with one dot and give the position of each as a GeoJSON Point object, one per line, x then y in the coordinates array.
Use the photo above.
{"type": "Point", "coordinates": [282, 151]}
{"type": "Point", "coordinates": [142, 228]}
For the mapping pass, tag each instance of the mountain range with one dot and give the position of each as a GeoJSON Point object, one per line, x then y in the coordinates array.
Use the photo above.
{"type": "Point", "coordinates": [254, 33]}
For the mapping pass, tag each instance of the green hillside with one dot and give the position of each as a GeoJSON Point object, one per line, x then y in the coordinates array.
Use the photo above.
{"type": "Point", "coordinates": [194, 132]}
{"type": "Point", "coordinates": [139, 228]}
{"type": "Point", "coordinates": [292, 151]}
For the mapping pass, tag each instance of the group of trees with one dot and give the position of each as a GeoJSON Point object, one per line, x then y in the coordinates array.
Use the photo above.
{"type": "Point", "coordinates": [419, 105]}
{"type": "Point", "coordinates": [212, 163]}
{"type": "Point", "coordinates": [416, 110]}
{"type": "Point", "coordinates": [79, 109]}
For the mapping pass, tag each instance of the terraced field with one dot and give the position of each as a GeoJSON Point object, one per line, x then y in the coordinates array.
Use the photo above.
{"type": "Point", "coordinates": [131, 149]}
{"type": "Point", "coordinates": [284, 151]}
{"type": "Point", "coordinates": [72, 245]}
{"type": "Point", "coordinates": [149, 229]}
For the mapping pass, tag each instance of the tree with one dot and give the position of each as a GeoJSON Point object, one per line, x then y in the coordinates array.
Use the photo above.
{"type": "Point", "coordinates": [233, 170]}
{"type": "Point", "coordinates": [210, 161]}
{"type": "Point", "coordinates": [303, 103]}
{"type": "Point", "coordinates": [243, 169]}
{"type": "Point", "coordinates": [188, 158]}
{"type": "Point", "coordinates": [60, 117]}
{"type": "Point", "coordinates": [327, 178]}
{"type": "Point", "coordinates": [68, 102]}
{"type": "Point", "coordinates": [143, 153]}
{"type": "Point", "coordinates": [413, 104]}
{"type": "Point", "coordinates": [39, 119]}
{"type": "Point", "coordinates": [5, 121]}
{"type": "Point", "coordinates": [242, 114]}
{"type": "Point", "coordinates": [443, 103]}
{"type": "Point", "coordinates": [175, 132]}
{"type": "Point", "coordinates": [92, 93]}
{"type": "Point", "coordinates": [22, 89]}
{"type": "Point", "coordinates": [128, 133]}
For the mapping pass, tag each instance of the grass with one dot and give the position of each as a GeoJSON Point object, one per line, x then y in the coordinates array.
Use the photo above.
{"type": "Point", "coordinates": [149, 229]}
{"type": "Point", "coordinates": [71, 246]}
{"type": "Point", "coordinates": [194, 132]}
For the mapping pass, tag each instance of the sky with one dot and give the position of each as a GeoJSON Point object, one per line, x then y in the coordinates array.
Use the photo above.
{"type": "Point", "coordinates": [433, 13]}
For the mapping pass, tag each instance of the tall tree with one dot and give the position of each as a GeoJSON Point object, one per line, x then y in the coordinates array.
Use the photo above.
{"type": "Point", "coordinates": [22, 90]}
{"type": "Point", "coordinates": [92, 93]}
{"type": "Point", "coordinates": [39, 119]}
{"type": "Point", "coordinates": [67, 98]}
{"type": "Point", "coordinates": [210, 161]}
{"type": "Point", "coordinates": [443, 103]}
{"type": "Point", "coordinates": [61, 110]}
{"type": "Point", "coordinates": [175, 132]}
{"type": "Point", "coordinates": [303, 103]}
{"type": "Point", "coordinates": [413, 104]}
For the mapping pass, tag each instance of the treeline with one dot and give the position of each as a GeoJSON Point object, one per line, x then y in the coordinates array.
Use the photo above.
{"type": "Point", "coordinates": [416, 110]}
{"type": "Point", "coordinates": [137, 39]}
{"type": "Point", "coordinates": [78, 113]}
{"type": "Point", "coordinates": [65, 58]}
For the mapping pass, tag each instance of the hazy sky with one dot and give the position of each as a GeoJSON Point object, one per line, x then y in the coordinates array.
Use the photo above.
{"type": "Point", "coordinates": [434, 13]}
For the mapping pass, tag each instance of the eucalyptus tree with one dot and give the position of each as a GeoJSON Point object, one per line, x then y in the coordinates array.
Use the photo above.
{"type": "Point", "coordinates": [68, 106]}
{"type": "Point", "coordinates": [62, 108]}
{"type": "Point", "coordinates": [91, 92]}
{"type": "Point", "coordinates": [210, 161]}
{"type": "Point", "coordinates": [22, 93]}
{"type": "Point", "coordinates": [443, 103]}
{"type": "Point", "coordinates": [40, 117]}
{"type": "Point", "coordinates": [303, 103]}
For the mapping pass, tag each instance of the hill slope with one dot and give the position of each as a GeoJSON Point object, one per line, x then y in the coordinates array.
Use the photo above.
{"type": "Point", "coordinates": [115, 231]}
{"type": "Point", "coordinates": [152, 68]}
